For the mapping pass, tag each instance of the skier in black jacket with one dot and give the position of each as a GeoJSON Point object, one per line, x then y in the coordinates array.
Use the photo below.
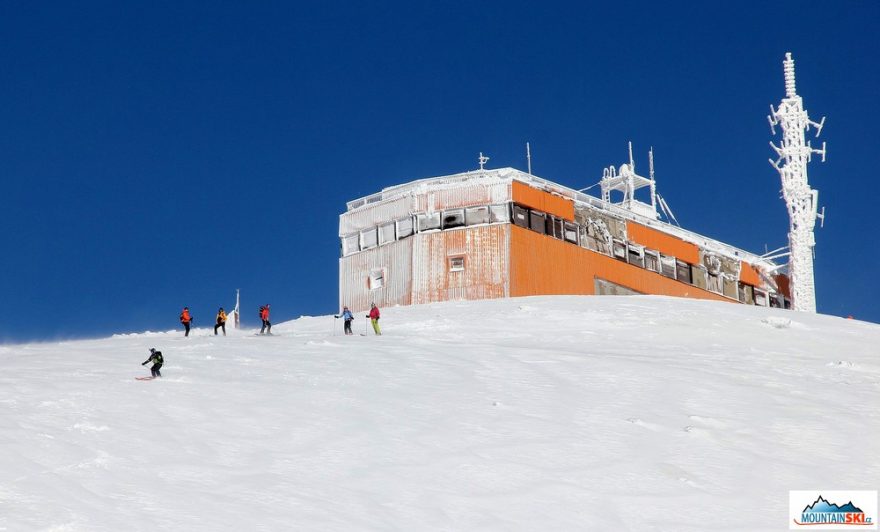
{"type": "Point", "coordinates": [157, 360]}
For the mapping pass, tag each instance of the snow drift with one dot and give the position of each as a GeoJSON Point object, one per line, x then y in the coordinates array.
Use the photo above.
{"type": "Point", "coordinates": [546, 413]}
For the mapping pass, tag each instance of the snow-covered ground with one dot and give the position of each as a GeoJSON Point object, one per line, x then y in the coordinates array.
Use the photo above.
{"type": "Point", "coordinates": [547, 413]}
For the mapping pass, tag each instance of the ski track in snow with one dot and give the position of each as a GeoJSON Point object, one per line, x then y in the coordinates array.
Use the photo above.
{"type": "Point", "coordinates": [545, 413]}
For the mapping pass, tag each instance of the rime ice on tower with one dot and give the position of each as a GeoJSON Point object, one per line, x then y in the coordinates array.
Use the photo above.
{"type": "Point", "coordinates": [794, 153]}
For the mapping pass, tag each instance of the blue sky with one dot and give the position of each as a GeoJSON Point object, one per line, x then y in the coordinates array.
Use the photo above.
{"type": "Point", "coordinates": [161, 154]}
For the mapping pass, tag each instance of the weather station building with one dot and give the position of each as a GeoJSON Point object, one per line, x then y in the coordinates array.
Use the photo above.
{"type": "Point", "coordinates": [499, 233]}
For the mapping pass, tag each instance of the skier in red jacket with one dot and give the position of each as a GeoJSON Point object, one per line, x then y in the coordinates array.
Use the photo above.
{"type": "Point", "coordinates": [374, 318]}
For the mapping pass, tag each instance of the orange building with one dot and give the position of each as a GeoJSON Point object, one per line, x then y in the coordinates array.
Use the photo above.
{"type": "Point", "coordinates": [505, 233]}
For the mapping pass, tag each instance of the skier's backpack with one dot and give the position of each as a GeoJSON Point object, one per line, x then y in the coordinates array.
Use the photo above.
{"type": "Point", "coordinates": [261, 312]}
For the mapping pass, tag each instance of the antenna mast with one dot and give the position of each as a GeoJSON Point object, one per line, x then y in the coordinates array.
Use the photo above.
{"type": "Point", "coordinates": [794, 152]}
{"type": "Point", "coordinates": [529, 157]}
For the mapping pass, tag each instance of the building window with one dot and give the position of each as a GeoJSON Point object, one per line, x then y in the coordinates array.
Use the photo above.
{"type": "Point", "coordinates": [667, 266]}
{"type": "Point", "coordinates": [453, 218]}
{"type": "Point", "coordinates": [477, 215]}
{"type": "Point", "coordinates": [635, 256]}
{"type": "Point", "coordinates": [404, 227]}
{"type": "Point", "coordinates": [499, 213]}
{"type": "Point", "coordinates": [428, 221]}
{"type": "Point", "coordinates": [386, 233]}
{"type": "Point", "coordinates": [619, 250]}
{"type": "Point", "coordinates": [369, 239]}
{"type": "Point", "coordinates": [652, 262]}
{"type": "Point", "coordinates": [760, 298]}
{"type": "Point", "coordinates": [683, 272]}
{"type": "Point", "coordinates": [376, 279]}
{"type": "Point", "coordinates": [571, 232]}
{"type": "Point", "coordinates": [350, 244]}
{"type": "Point", "coordinates": [520, 216]}
{"type": "Point", "coordinates": [714, 284]}
{"type": "Point", "coordinates": [537, 221]}
{"type": "Point", "coordinates": [456, 264]}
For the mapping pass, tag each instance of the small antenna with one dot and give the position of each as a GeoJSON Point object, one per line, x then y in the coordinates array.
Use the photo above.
{"type": "Point", "coordinates": [632, 163]}
{"type": "Point", "coordinates": [483, 160]}
{"type": "Point", "coordinates": [529, 157]}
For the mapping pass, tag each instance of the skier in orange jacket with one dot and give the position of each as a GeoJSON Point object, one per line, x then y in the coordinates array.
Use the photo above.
{"type": "Point", "coordinates": [185, 319]}
{"type": "Point", "coordinates": [264, 315]}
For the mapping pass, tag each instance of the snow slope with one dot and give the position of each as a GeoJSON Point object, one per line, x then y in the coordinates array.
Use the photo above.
{"type": "Point", "coordinates": [547, 413]}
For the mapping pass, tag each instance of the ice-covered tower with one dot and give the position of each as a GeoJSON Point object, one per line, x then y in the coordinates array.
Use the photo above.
{"type": "Point", "coordinates": [794, 153]}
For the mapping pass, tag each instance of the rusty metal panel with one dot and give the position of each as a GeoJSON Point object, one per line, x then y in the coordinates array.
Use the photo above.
{"type": "Point", "coordinates": [393, 261]}
{"type": "Point", "coordinates": [375, 214]}
{"type": "Point", "coordinates": [484, 250]}
{"type": "Point", "coordinates": [462, 196]}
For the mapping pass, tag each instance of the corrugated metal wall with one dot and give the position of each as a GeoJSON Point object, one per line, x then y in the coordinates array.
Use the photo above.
{"type": "Point", "coordinates": [394, 259]}
{"type": "Point", "coordinates": [485, 250]}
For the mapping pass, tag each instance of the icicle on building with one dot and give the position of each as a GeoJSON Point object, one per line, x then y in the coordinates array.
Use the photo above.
{"type": "Point", "coordinates": [506, 233]}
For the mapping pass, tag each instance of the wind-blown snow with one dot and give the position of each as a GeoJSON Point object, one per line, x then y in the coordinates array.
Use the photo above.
{"type": "Point", "coordinates": [547, 413]}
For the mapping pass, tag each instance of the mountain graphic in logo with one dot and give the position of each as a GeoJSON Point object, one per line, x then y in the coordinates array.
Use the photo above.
{"type": "Point", "coordinates": [823, 506]}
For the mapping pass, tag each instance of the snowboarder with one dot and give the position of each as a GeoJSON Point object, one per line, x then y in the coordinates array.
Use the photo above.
{"type": "Point", "coordinates": [157, 360]}
{"type": "Point", "coordinates": [348, 317]}
{"type": "Point", "coordinates": [264, 315]}
{"type": "Point", "coordinates": [221, 321]}
{"type": "Point", "coordinates": [185, 319]}
{"type": "Point", "coordinates": [374, 318]}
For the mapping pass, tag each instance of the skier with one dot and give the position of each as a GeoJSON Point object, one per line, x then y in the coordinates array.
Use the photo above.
{"type": "Point", "coordinates": [185, 319]}
{"type": "Point", "coordinates": [374, 318]}
{"type": "Point", "coordinates": [157, 360]}
{"type": "Point", "coordinates": [264, 315]}
{"type": "Point", "coordinates": [221, 321]}
{"type": "Point", "coordinates": [348, 317]}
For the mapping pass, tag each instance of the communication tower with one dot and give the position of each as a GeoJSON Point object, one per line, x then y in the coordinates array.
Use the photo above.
{"type": "Point", "coordinates": [794, 152]}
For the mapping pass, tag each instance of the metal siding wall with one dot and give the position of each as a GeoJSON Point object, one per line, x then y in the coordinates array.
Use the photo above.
{"type": "Point", "coordinates": [485, 249]}
{"type": "Point", "coordinates": [354, 270]}
{"type": "Point", "coordinates": [373, 215]}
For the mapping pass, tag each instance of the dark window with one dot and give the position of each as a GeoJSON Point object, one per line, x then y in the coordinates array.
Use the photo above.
{"type": "Point", "coordinates": [635, 256]}
{"type": "Point", "coordinates": [520, 216]}
{"type": "Point", "coordinates": [683, 271]}
{"type": "Point", "coordinates": [536, 221]}
{"type": "Point", "coordinates": [453, 218]}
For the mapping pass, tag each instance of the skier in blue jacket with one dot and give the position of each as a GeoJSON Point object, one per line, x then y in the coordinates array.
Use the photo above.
{"type": "Point", "coordinates": [348, 317]}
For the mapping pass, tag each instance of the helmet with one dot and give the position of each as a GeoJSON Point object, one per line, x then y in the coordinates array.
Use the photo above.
{"type": "Point", "coordinates": [152, 350]}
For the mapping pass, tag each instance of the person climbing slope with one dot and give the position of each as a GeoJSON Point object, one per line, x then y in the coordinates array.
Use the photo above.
{"type": "Point", "coordinates": [221, 321]}
{"type": "Point", "coordinates": [185, 319]}
{"type": "Point", "coordinates": [264, 315]}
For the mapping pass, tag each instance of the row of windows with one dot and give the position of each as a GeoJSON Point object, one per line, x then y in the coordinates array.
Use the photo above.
{"type": "Point", "coordinates": [419, 223]}
{"type": "Point", "coordinates": [590, 237]}
{"type": "Point", "coordinates": [638, 255]}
